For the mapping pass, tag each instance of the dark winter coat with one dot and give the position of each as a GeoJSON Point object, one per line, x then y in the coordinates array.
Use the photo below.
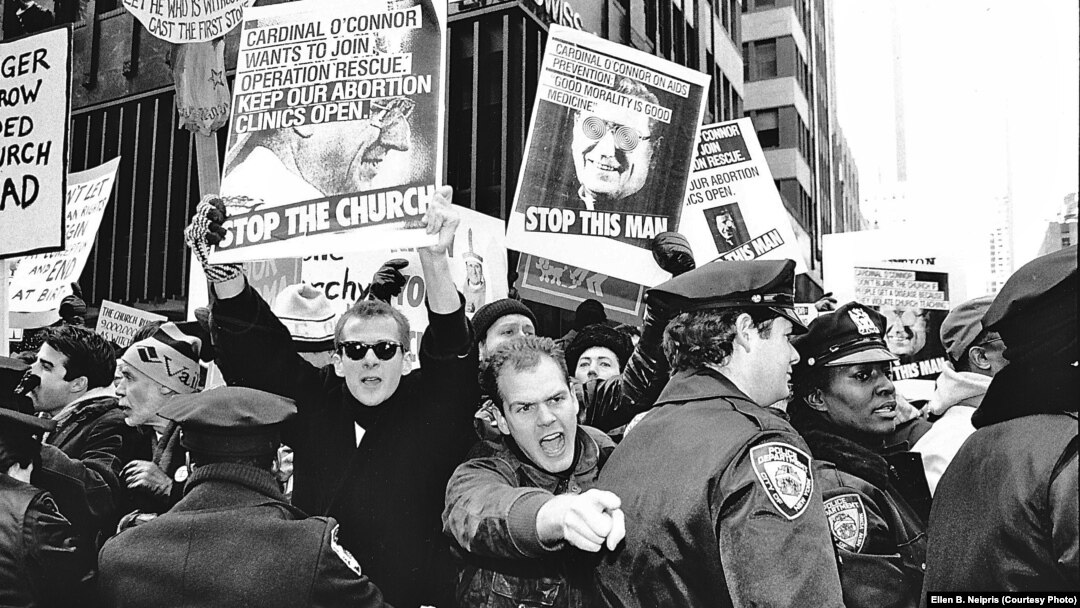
{"type": "Point", "coordinates": [1005, 512]}
{"type": "Point", "coordinates": [40, 564]}
{"type": "Point", "coordinates": [491, 507]}
{"type": "Point", "coordinates": [387, 493]}
{"type": "Point", "coordinates": [721, 505]}
{"type": "Point", "coordinates": [233, 541]}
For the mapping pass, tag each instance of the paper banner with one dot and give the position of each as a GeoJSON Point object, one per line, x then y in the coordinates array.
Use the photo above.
{"type": "Point", "coordinates": [187, 20]}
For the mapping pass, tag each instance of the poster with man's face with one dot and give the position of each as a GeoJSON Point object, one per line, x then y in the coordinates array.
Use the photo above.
{"type": "Point", "coordinates": [607, 157]}
{"type": "Point", "coordinates": [336, 127]}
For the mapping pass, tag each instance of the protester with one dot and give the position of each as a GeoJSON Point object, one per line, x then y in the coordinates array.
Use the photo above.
{"type": "Point", "coordinates": [153, 371]}
{"type": "Point", "coordinates": [521, 515]}
{"type": "Point", "coordinates": [975, 357]}
{"type": "Point", "coordinates": [845, 404]}
{"type": "Point", "coordinates": [721, 506]}
{"type": "Point", "coordinates": [589, 312]}
{"type": "Point", "coordinates": [232, 540]}
{"type": "Point", "coordinates": [374, 442]}
{"type": "Point", "coordinates": [1005, 513]}
{"type": "Point", "coordinates": [598, 352]}
{"type": "Point", "coordinates": [82, 459]}
{"type": "Point", "coordinates": [40, 564]}
{"type": "Point", "coordinates": [500, 321]}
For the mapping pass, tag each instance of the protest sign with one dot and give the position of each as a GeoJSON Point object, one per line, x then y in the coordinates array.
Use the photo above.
{"type": "Point", "coordinates": [607, 156]}
{"type": "Point", "coordinates": [267, 277]}
{"type": "Point", "coordinates": [477, 267]}
{"type": "Point", "coordinates": [335, 142]}
{"type": "Point", "coordinates": [35, 101]}
{"type": "Point", "coordinates": [119, 323]}
{"type": "Point", "coordinates": [42, 280]}
{"type": "Point", "coordinates": [733, 209]}
{"type": "Point", "coordinates": [565, 286]}
{"type": "Point", "coordinates": [187, 20]}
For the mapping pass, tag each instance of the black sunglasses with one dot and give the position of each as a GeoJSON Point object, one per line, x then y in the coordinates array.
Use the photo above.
{"type": "Point", "coordinates": [384, 349]}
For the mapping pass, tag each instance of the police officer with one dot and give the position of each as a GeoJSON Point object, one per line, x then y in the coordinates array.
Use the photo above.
{"type": "Point", "coordinates": [721, 504]}
{"type": "Point", "coordinates": [232, 540]}
{"type": "Point", "coordinates": [1005, 511]}
{"type": "Point", "coordinates": [845, 407]}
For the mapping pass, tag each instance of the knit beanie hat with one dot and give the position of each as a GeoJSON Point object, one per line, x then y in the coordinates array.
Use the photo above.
{"type": "Point", "coordinates": [486, 316]}
{"type": "Point", "coordinates": [309, 317]}
{"type": "Point", "coordinates": [170, 357]}
{"type": "Point", "coordinates": [599, 335]}
{"type": "Point", "coordinates": [589, 312]}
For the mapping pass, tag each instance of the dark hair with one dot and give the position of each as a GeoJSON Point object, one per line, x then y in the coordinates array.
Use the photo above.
{"type": "Point", "coordinates": [88, 354]}
{"type": "Point", "coordinates": [694, 339]}
{"type": "Point", "coordinates": [520, 354]}
{"type": "Point", "coordinates": [631, 331]}
{"type": "Point", "coordinates": [370, 309]}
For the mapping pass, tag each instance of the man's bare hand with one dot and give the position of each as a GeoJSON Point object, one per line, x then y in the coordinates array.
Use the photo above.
{"type": "Point", "coordinates": [587, 521]}
{"type": "Point", "coordinates": [145, 474]}
{"type": "Point", "coordinates": [441, 219]}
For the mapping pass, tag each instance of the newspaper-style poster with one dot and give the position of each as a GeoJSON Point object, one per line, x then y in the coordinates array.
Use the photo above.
{"type": "Point", "coordinates": [335, 140]}
{"type": "Point", "coordinates": [565, 286]}
{"type": "Point", "coordinates": [42, 280]}
{"type": "Point", "coordinates": [35, 102]}
{"type": "Point", "coordinates": [119, 323]}
{"type": "Point", "coordinates": [187, 20]}
{"type": "Point", "coordinates": [607, 157]}
{"type": "Point", "coordinates": [477, 267]}
{"type": "Point", "coordinates": [733, 211]}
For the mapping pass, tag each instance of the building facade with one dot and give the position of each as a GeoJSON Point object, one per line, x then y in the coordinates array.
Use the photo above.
{"type": "Point", "coordinates": [1061, 232]}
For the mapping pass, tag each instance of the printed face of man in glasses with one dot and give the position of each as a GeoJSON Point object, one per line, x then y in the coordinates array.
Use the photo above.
{"type": "Point", "coordinates": [370, 379]}
{"type": "Point", "coordinates": [612, 154]}
{"type": "Point", "coordinates": [345, 156]}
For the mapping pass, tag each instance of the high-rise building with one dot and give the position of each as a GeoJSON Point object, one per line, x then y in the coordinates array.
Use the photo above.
{"type": "Point", "coordinates": [1000, 245]}
{"type": "Point", "coordinates": [1061, 232]}
{"type": "Point", "coordinates": [789, 84]}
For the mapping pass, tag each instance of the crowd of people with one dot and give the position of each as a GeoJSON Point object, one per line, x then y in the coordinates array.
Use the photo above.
{"type": "Point", "coordinates": [723, 453]}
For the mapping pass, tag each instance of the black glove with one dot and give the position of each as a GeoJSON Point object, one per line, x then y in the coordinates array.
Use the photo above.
{"type": "Point", "coordinates": [387, 282]}
{"type": "Point", "coordinates": [672, 252]}
{"type": "Point", "coordinates": [206, 229]}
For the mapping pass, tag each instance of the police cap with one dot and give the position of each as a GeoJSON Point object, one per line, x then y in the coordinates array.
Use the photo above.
{"type": "Point", "coordinates": [230, 421]}
{"type": "Point", "coordinates": [851, 334]}
{"type": "Point", "coordinates": [721, 285]}
{"type": "Point", "coordinates": [15, 409]}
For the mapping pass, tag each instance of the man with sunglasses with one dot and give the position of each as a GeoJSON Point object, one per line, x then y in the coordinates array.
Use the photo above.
{"type": "Point", "coordinates": [374, 442]}
{"type": "Point", "coordinates": [613, 153]}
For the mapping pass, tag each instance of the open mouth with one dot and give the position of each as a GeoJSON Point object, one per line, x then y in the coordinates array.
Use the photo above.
{"type": "Point", "coordinates": [553, 444]}
{"type": "Point", "coordinates": [887, 409]}
{"type": "Point", "coordinates": [371, 381]}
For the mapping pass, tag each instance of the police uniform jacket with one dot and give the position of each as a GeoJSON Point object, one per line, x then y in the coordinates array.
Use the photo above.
{"type": "Point", "coordinates": [39, 561]}
{"type": "Point", "coordinates": [233, 541]}
{"type": "Point", "coordinates": [880, 540]}
{"type": "Point", "coordinates": [491, 507]}
{"type": "Point", "coordinates": [1005, 511]}
{"type": "Point", "coordinates": [721, 506]}
{"type": "Point", "coordinates": [388, 492]}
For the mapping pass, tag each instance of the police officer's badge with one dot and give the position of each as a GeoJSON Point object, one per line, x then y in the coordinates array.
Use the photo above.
{"type": "Point", "coordinates": [784, 472]}
{"type": "Point", "coordinates": [863, 322]}
{"type": "Point", "coordinates": [847, 521]}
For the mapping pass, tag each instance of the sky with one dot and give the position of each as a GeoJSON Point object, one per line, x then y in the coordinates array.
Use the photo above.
{"type": "Point", "coordinates": [990, 91]}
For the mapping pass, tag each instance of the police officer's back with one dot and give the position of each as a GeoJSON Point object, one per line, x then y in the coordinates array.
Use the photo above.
{"type": "Point", "coordinates": [232, 540]}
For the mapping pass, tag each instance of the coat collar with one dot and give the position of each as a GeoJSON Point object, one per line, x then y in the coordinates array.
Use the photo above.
{"type": "Point", "coordinates": [229, 485]}
{"type": "Point", "coordinates": [586, 461]}
{"type": "Point", "coordinates": [1022, 390]}
{"type": "Point", "coordinates": [703, 383]}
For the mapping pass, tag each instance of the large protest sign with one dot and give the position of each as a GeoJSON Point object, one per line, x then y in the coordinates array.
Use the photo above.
{"type": "Point", "coordinates": [477, 267]}
{"type": "Point", "coordinates": [607, 156]}
{"type": "Point", "coordinates": [733, 210]}
{"type": "Point", "coordinates": [335, 142]}
{"type": "Point", "coordinates": [187, 20]}
{"type": "Point", "coordinates": [35, 101]}
{"type": "Point", "coordinates": [119, 323]}
{"type": "Point", "coordinates": [565, 286]}
{"type": "Point", "coordinates": [42, 280]}
{"type": "Point", "coordinates": [267, 277]}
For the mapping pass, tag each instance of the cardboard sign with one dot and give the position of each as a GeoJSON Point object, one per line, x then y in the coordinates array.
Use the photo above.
{"type": "Point", "coordinates": [119, 323]}
{"type": "Point", "coordinates": [336, 137]}
{"type": "Point", "coordinates": [187, 20]}
{"type": "Point", "coordinates": [733, 210]}
{"type": "Point", "coordinates": [607, 157]}
{"type": "Point", "coordinates": [35, 102]}
{"type": "Point", "coordinates": [42, 280]}
{"type": "Point", "coordinates": [565, 286]}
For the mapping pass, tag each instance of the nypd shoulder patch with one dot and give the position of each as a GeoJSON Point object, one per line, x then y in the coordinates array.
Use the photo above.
{"type": "Point", "coordinates": [343, 553]}
{"type": "Point", "coordinates": [847, 521]}
{"type": "Point", "coordinates": [784, 471]}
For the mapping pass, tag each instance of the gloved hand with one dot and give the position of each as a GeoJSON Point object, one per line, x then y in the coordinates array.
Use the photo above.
{"type": "Point", "coordinates": [672, 252]}
{"type": "Point", "coordinates": [387, 282]}
{"type": "Point", "coordinates": [206, 229]}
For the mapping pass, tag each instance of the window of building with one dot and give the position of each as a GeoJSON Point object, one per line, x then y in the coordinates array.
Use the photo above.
{"type": "Point", "coordinates": [767, 124]}
{"type": "Point", "coordinates": [765, 59]}
{"type": "Point", "coordinates": [764, 3]}
{"type": "Point", "coordinates": [746, 62]}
